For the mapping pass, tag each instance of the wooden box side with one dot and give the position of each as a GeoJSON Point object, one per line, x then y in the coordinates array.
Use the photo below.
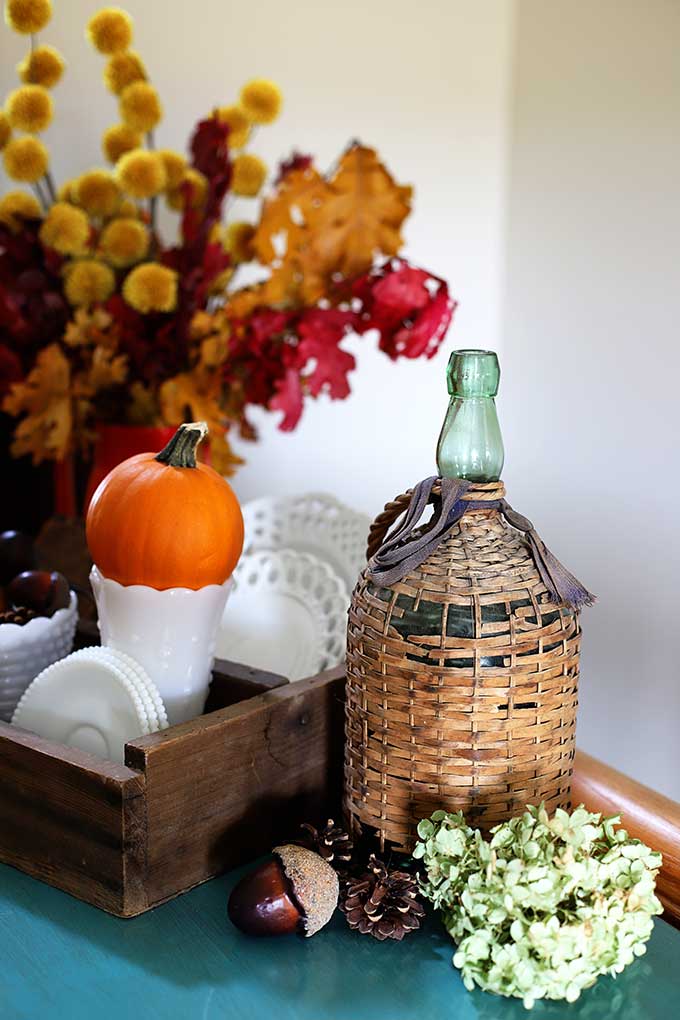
{"type": "Point", "coordinates": [227, 786]}
{"type": "Point", "coordinates": [73, 820]}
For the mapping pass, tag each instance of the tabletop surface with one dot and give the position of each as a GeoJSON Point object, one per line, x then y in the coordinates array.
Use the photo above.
{"type": "Point", "coordinates": [184, 961]}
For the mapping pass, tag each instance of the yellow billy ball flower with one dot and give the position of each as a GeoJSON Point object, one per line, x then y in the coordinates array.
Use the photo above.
{"type": "Point", "coordinates": [66, 229]}
{"type": "Point", "coordinates": [118, 140]}
{"type": "Point", "coordinates": [238, 241]}
{"type": "Point", "coordinates": [249, 174]}
{"type": "Point", "coordinates": [261, 100]}
{"type": "Point", "coordinates": [26, 159]}
{"type": "Point", "coordinates": [66, 192]}
{"type": "Point", "coordinates": [175, 167]}
{"type": "Point", "coordinates": [28, 16]}
{"type": "Point", "coordinates": [44, 66]}
{"type": "Point", "coordinates": [5, 130]}
{"type": "Point", "coordinates": [141, 173]}
{"type": "Point", "coordinates": [98, 193]}
{"type": "Point", "coordinates": [239, 125]}
{"type": "Point", "coordinates": [88, 281]}
{"type": "Point", "coordinates": [29, 108]}
{"type": "Point", "coordinates": [16, 206]}
{"type": "Point", "coordinates": [199, 191]}
{"type": "Point", "coordinates": [128, 210]}
{"type": "Point", "coordinates": [122, 69]}
{"type": "Point", "coordinates": [110, 30]}
{"type": "Point", "coordinates": [140, 107]}
{"type": "Point", "coordinates": [124, 241]}
{"type": "Point", "coordinates": [151, 288]}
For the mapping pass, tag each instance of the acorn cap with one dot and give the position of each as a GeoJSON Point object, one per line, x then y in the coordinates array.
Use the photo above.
{"type": "Point", "coordinates": [314, 883]}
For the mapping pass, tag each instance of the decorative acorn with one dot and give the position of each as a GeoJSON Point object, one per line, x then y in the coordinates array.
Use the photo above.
{"type": "Point", "coordinates": [297, 891]}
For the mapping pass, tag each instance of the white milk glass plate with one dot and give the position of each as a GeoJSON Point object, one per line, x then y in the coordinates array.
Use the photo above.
{"type": "Point", "coordinates": [287, 614]}
{"type": "Point", "coordinates": [89, 700]}
{"type": "Point", "coordinates": [315, 523]}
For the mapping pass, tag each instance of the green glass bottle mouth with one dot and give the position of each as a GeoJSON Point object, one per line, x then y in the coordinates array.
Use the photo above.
{"type": "Point", "coordinates": [473, 373]}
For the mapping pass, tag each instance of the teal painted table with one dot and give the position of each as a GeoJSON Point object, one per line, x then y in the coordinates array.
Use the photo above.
{"type": "Point", "coordinates": [62, 959]}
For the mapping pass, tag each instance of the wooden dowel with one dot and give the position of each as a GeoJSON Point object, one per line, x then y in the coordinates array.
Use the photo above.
{"type": "Point", "coordinates": [646, 814]}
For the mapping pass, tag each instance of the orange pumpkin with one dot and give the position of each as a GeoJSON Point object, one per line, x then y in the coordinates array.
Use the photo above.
{"type": "Point", "coordinates": [165, 521]}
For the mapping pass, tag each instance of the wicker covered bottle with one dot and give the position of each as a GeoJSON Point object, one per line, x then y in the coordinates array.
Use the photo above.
{"type": "Point", "coordinates": [463, 643]}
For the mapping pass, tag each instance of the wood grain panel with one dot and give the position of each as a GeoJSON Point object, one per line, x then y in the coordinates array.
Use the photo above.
{"type": "Point", "coordinates": [72, 820]}
{"type": "Point", "coordinates": [224, 788]}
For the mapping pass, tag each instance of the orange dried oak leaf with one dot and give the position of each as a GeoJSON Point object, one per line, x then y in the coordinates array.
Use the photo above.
{"type": "Point", "coordinates": [45, 399]}
{"type": "Point", "coordinates": [283, 227]}
{"type": "Point", "coordinates": [361, 218]}
{"type": "Point", "coordinates": [312, 229]}
{"type": "Point", "coordinates": [194, 396]}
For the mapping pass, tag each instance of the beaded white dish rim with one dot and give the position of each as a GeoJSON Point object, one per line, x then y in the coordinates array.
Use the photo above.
{"type": "Point", "coordinates": [309, 582]}
{"type": "Point", "coordinates": [313, 522]}
{"type": "Point", "coordinates": [119, 672]}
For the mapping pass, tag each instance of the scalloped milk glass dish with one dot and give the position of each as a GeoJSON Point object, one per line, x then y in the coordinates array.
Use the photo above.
{"type": "Point", "coordinates": [27, 650]}
{"type": "Point", "coordinates": [170, 633]}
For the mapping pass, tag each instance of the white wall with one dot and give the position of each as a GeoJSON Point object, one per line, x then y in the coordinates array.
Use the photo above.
{"type": "Point", "coordinates": [592, 351]}
{"type": "Point", "coordinates": [427, 85]}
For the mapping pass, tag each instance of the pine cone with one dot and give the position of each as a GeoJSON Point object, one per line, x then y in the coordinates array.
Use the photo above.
{"type": "Point", "coordinates": [382, 903]}
{"type": "Point", "coordinates": [332, 843]}
{"type": "Point", "coordinates": [20, 615]}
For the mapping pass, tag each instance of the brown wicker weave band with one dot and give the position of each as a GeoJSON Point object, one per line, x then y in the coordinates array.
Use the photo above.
{"type": "Point", "coordinates": [409, 545]}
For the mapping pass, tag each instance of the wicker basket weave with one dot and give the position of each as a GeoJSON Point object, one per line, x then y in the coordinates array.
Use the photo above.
{"type": "Point", "coordinates": [462, 683]}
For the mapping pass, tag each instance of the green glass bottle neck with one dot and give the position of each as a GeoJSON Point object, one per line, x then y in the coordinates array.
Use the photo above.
{"type": "Point", "coordinates": [470, 443]}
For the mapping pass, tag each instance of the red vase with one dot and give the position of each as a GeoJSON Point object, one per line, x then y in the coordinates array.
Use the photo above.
{"type": "Point", "coordinates": [115, 443]}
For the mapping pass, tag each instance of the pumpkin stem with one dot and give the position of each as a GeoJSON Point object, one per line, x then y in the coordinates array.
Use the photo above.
{"type": "Point", "coordinates": [181, 450]}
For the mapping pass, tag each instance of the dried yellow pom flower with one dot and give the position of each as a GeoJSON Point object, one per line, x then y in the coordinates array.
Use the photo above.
{"type": "Point", "coordinates": [121, 70]}
{"type": "Point", "coordinates": [29, 108]}
{"type": "Point", "coordinates": [199, 191]}
{"type": "Point", "coordinates": [28, 16]}
{"type": "Point", "coordinates": [175, 166]}
{"type": "Point", "coordinates": [98, 193]}
{"type": "Point", "coordinates": [118, 140]}
{"type": "Point", "coordinates": [151, 288]}
{"type": "Point", "coordinates": [128, 209]}
{"type": "Point", "coordinates": [239, 125]}
{"type": "Point", "coordinates": [88, 281]}
{"type": "Point", "coordinates": [44, 66]}
{"type": "Point", "coordinates": [66, 191]}
{"type": "Point", "coordinates": [5, 130]}
{"type": "Point", "coordinates": [140, 107]}
{"type": "Point", "coordinates": [261, 100]}
{"type": "Point", "coordinates": [110, 30]}
{"type": "Point", "coordinates": [16, 206]}
{"type": "Point", "coordinates": [26, 159]}
{"type": "Point", "coordinates": [238, 241]}
{"type": "Point", "coordinates": [66, 229]}
{"type": "Point", "coordinates": [141, 173]}
{"type": "Point", "coordinates": [124, 241]}
{"type": "Point", "coordinates": [249, 174]}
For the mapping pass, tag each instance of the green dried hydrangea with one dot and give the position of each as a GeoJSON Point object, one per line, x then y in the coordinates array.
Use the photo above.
{"type": "Point", "coordinates": [546, 906]}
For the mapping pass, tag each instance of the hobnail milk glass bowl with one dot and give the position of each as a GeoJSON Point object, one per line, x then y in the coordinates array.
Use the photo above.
{"type": "Point", "coordinates": [26, 650]}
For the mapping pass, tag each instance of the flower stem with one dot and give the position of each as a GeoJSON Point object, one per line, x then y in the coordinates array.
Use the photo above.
{"type": "Point", "coordinates": [41, 197]}
{"type": "Point", "coordinates": [153, 202]}
{"type": "Point", "coordinates": [49, 183]}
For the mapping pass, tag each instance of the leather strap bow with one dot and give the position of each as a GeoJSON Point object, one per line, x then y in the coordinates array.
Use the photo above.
{"type": "Point", "coordinates": [407, 547]}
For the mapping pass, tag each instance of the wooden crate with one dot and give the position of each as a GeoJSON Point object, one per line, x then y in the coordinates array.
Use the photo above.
{"type": "Point", "coordinates": [190, 801]}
